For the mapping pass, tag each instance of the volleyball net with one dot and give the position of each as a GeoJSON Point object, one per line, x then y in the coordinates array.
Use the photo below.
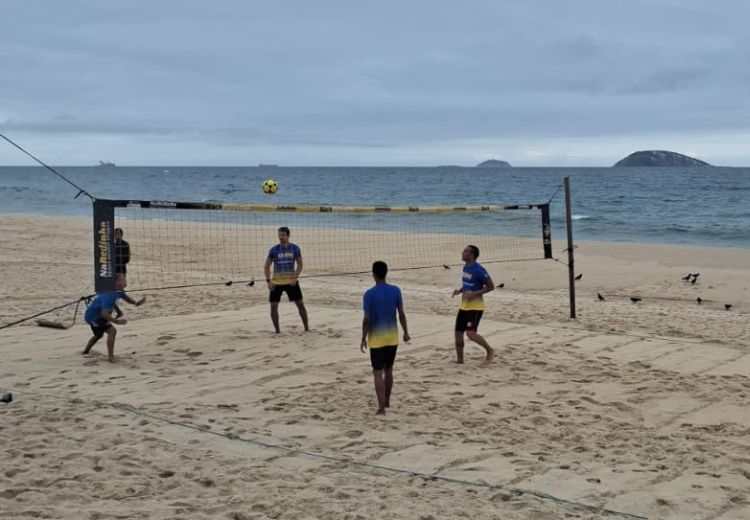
{"type": "Point", "coordinates": [182, 244]}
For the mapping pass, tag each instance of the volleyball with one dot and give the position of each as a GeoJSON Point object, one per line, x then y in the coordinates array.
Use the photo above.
{"type": "Point", "coordinates": [270, 187]}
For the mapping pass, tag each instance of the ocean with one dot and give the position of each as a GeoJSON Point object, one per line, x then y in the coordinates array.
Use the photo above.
{"type": "Point", "coordinates": [687, 206]}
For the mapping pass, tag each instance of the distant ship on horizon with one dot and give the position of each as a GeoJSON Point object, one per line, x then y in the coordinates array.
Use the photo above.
{"type": "Point", "coordinates": [103, 164]}
{"type": "Point", "coordinates": [261, 165]}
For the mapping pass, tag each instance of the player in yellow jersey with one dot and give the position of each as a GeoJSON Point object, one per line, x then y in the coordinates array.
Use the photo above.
{"type": "Point", "coordinates": [382, 303]}
{"type": "Point", "coordinates": [286, 259]}
{"type": "Point", "coordinates": [475, 282]}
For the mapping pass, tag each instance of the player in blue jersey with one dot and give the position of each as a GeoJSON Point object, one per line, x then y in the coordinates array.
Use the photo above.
{"type": "Point", "coordinates": [103, 312]}
{"type": "Point", "coordinates": [475, 282]}
{"type": "Point", "coordinates": [381, 304]}
{"type": "Point", "coordinates": [286, 259]}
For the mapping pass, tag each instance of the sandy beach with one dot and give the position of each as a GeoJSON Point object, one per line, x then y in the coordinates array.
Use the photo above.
{"type": "Point", "coordinates": [633, 410]}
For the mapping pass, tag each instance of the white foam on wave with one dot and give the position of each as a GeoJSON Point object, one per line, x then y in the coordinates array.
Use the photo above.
{"type": "Point", "coordinates": [580, 217]}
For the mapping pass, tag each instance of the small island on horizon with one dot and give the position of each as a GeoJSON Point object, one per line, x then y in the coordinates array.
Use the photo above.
{"type": "Point", "coordinates": [493, 163]}
{"type": "Point", "coordinates": [659, 158]}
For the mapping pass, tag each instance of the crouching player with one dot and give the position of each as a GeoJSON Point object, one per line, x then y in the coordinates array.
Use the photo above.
{"type": "Point", "coordinates": [103, 313]}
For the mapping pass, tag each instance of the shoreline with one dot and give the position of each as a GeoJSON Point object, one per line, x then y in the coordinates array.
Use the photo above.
{"type": "Point", "coordinates": [89, 219]}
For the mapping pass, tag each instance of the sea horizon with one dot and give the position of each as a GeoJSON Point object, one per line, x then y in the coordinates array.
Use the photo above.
{"type": "Point", "coordinates": [701, 206]}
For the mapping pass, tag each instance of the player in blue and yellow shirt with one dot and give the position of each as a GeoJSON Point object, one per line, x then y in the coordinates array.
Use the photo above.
{"type": "Point", "coordinates": [287, 266]}
{"type": "Point", "coordinates": [476, 282]}
{"type": "Point", "coordinates": [381, 304]}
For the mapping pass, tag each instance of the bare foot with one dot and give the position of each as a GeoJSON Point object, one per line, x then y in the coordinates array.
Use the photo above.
{"type": "Point", "coordinates": [488, 359]}
{"type": "Point", "coordinates": [111, 359]}
{"type": "Point", "coordinates": [381, 411]}
{"type": "Point", "coordinates": [459, 361]}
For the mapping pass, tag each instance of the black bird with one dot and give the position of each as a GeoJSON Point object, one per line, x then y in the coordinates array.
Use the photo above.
{"type": "Point", "coordinates": [600, 297]}
{"type": "Point", "coordinates": [695, 277]}
{"type": "Point", "coordinates": [251, 283]}
{"type": "Point", "coordinates": [228, 283]}
{"type": "Point", "coordinates": [446, 266]}
{"type": "Point", "coordinates": [501, 286]}
{"type": "Point", "coordinates": [727, 306]}
{"type": "Point", "coordinates": [699, 300]}
{"type": "Point", "coordinates": [578, 277]}
{"type": "Point", "coordinates": [686, 278]}
{"type": "Point", "coordinates": [635, 299]}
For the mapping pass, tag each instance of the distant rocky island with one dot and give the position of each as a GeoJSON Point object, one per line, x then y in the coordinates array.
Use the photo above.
{"type": "Point", "coordinates": [659, 158]}
{"type": "Point", "coordinates": [493, 163]}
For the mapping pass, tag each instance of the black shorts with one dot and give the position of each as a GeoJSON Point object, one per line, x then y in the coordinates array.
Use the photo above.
{"type": "Point", "coordinates": [383, 357]}
{"type": "Point", "coordinates": [468, 320]}
{"type": "Point", "coordinates": [99, 328]}
{"type": "Point", "coordinates": [293, 292]}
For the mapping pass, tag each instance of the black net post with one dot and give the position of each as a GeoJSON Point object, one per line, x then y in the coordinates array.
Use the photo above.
{"type": "Point", "coordinates": [546, 231]}
{"type": "Point", "coordinates": [104, 246]}
{"type": "Point", "coordinates": [571, 266]}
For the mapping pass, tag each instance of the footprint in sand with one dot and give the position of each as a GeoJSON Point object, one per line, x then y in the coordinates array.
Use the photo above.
{"type": "Point", "coordinates": [236, 515]}
{"type": "Point", "coordinates": [13, 472]}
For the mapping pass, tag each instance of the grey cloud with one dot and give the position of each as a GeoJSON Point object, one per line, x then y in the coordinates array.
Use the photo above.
{"type": "Point", "coordinates": [374, 75]}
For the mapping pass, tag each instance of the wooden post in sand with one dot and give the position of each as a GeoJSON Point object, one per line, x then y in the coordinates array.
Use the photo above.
{"type": "Point", "coordinates": [571, 266]}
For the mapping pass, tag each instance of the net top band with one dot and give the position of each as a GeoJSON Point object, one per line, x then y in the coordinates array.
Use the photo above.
{"type": "Point", "coordinates": [310, 208]}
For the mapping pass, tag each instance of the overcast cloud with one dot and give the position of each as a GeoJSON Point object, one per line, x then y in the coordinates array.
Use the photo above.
{"type": "Point", "coordinates": [536, 83]}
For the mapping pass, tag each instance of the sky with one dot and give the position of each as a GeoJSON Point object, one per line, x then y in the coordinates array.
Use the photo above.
{"type": "Point", "coordinates": [377, 83]}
